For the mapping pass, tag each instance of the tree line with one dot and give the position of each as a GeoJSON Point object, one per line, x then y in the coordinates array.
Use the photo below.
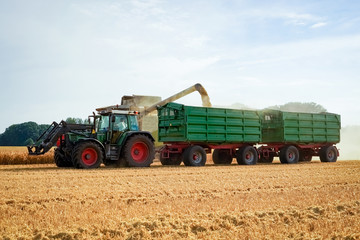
{"type": "Point", "coordinates": [27, 133]}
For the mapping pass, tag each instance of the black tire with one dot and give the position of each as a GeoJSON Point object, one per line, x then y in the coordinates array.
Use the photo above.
{"type": "Point", "coordinates": [328, 154]}
{"type": "Point", "coordinates": [61, 160]}
{"type": "Point", "coordinates": [305, 156]}
{"type": "Point", "coordinates": [139, 151]}
{"type": "Point", "coordinates": [263, 159]}
{"type": "Point", "coordinates": [87, 155]}
{"type": "Point", "coordinates": [194, 156]}
{"type": "Point", "coordinates": [289, 155]}
{"type": "Point", "coordinates": [222, 156]}
{"type": "Point", "coordinates": [174, 159]}
{"type": "Point", "coordinates": [247, 155]}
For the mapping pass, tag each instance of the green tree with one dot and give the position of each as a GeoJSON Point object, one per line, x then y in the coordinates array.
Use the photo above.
{"type": "Point", "coordinates": [76, 120]}
{"type": "Point", "coordinates": [29, 141]}
{"type": "Point", "coordinates": [21, 134]}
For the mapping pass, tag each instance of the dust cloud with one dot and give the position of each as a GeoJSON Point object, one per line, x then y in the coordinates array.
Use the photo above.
{"type": "Point", "coordinates": [349, 146]}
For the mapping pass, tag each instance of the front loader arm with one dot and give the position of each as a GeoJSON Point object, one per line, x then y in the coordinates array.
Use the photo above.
{"type": "Point", "coordinates": [49, 138]}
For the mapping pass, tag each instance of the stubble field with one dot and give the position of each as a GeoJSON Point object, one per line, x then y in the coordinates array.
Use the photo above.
{"type": "Point", "coordinates": [266, 201]}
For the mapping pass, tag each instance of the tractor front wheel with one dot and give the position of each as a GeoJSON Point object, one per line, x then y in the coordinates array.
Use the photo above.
{"type": "Point", "coordinates": [139, 151]}
{"type": "Point", "coordinates": [87, 155]}
{"type": "Point", "coordinates": [61, 160]}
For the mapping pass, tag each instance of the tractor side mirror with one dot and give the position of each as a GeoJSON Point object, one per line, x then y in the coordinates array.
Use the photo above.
{"type": "Point", "coordinates": [113, 118]}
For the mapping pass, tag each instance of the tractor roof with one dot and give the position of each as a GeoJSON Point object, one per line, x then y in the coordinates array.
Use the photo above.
{"type": "Point", "coordinates": [119, 109]}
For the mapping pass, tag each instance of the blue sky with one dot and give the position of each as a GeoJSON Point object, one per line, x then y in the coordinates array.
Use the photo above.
{"type": "Point", "coordinates": [65, 58]}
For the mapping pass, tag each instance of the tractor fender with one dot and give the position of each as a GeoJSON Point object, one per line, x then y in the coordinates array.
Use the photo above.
{"type": "Point", "coordinates": [92, 140]}
{"type": "Point", "coordinates": [132, 133]}
{"type": "Point", "coordinates": [146, 133]}
{"type": "Point", "coordinates": [129, 134]}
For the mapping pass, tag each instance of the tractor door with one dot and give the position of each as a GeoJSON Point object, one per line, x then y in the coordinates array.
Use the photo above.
{"type": "Point", "coordinates": [120, 124]}
{"type": "Point", "coordinates": [103, 128]}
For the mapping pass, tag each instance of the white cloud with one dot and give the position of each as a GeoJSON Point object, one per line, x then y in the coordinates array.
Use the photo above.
{"type": "Point", "coordinates": [196, 42]}
{"type": "Point", "coordinates": [318, 25]}
{"type": "Point", "coordinates": [288, 16]}
{"type": "Point", "coordinates": [277, 53]}
{"type": "Point", "coordinates": [174, 67]}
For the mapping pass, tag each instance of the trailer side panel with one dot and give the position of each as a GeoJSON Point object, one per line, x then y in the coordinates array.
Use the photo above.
{"type": "Point", "coordinates": [179, 123]}
{"type": "Point", "coordinates": [299, 128]}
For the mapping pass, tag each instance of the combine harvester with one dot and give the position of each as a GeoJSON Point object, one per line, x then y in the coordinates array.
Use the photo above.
{"type": "Point", "coordinates": [189, 133]}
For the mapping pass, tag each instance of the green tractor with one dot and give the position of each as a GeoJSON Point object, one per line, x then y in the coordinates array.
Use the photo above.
{"type": "Point", "coordinates": [114, 138]}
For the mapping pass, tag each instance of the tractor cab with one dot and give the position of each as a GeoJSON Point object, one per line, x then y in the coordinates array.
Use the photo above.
{"type": "Point", "coordinates": [111, 124]}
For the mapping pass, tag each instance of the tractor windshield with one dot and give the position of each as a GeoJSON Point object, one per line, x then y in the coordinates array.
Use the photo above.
{"type": "Point", "coordinates": [120, 123]}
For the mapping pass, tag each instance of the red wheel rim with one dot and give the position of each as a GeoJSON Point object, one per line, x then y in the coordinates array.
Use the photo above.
{"type": "Point", "coordinates": [139, 152]}
{"type": "Point", "coordinates": [197, 157]}
{"type": "Point", "coordinates": [89, 156]}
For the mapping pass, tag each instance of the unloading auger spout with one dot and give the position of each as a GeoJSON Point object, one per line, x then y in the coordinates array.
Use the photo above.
{"type": "Point", "coordinates": [197, 87]}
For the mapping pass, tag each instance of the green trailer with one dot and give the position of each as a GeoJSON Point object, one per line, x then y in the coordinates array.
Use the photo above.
{"type": "Point", "coordinates": [297, 136]}
{"type": "Point", "coordinates": [249, 136]}
{"type": "Point", "coordinates": [190, 132]}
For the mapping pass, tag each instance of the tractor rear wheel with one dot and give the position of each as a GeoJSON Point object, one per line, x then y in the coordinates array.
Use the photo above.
{"type": "Point", "coordinates": [289, 154]}
{"type": "Point", "coordinates": [328, 154]}
{"type": "Point", "coordinates": [87, 155]}
{"type": "Point", "coordinates": [222, 156]}
{"type": "Point", "coordinates": [61, 160]}
{"type": "Point", "coordinates": [247, 156]}
{"type": "Point", "coordinates": [194, 156]}
{"type": "Point", "coordinates": [139, 151]}
{"type": "Point", "coordinates": [174, 159]}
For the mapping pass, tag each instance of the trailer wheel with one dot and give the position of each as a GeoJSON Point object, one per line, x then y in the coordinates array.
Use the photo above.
{"type": "Point", "coordinates": [328, 154]}
{"type": "Point", "coordinates": [87, 155]}
{"type": "Point", "coordinates": [289, 154]}
{"type": "Point", "coordinates": [247, 155]}
{"type": "Point", "coordinates": [194, 156]}
{"type": "Point", "coordinates": [174, 159]}
{"type": "Point", "coordinates": [61, 160]}
{"type": "Point", "coordinates": [139, 151]}
{"type": "Point", "coordinates": [222, 156]}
